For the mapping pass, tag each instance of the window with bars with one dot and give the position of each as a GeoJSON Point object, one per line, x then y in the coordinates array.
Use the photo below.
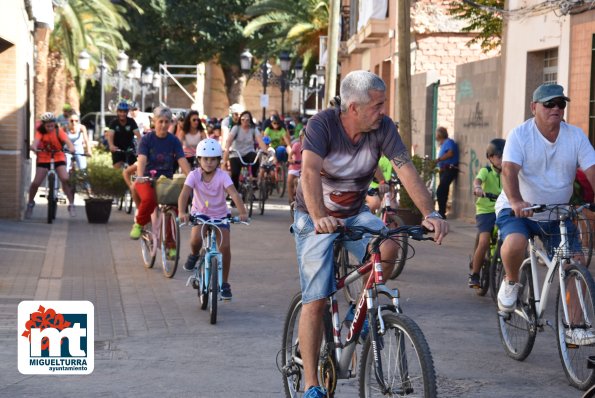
{"type": "Point", "coordinates": [550, 66]}
{"type": "Point", "coordinates": [592, 94]}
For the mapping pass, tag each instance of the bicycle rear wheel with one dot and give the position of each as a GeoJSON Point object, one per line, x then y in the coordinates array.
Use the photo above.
{"type": "Point", "coordinates": [170, 243]}
{"type": "Point", "coordinates": [262, 196]}
{"type": "Point", "coordinates": [518, 329]}
{"type": "Point", "coordinates": [407, 364]}
{"type": "Point", "coordinates": [291, 365]}
{"type": "Point", "coordinates": [147, 246]}
{"type": "Point", "coordinates": [585, 237]}
{"type": "Point", "coordinates": [394, 221]}
{"type": "Point", "coordinates": [576, 348]}
{"type": "Point", "coordinates": [249, 201]}
{"type": "Point", "coordinates": [484, 277]}
{"type": "Point", "coordinates": [52, 201]}
{"type": "Point", "coordinates": [128, 201]}
{"type": "Point", "coordinates": [213, 290]}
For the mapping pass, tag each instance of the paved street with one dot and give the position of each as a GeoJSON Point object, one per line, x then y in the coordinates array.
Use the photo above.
{"type": "Point", "coordinates": [152, 339]}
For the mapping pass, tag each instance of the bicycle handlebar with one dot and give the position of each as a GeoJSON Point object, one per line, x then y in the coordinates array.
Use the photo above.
{"type": "Point", "coordinates": [242, 159]}
{"type": "Point", "coordinates": [197, 220]}
{"type": "Point", "coordinates": [540, 208]}
{"type": "Point", "coordinates": [490, 196]}
{"type": "Point", "coordinates": [415, 232]}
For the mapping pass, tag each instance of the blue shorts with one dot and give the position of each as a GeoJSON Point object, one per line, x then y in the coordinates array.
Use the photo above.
{"type": "Point", "coordinates": [547, 231]}
{"type": "Point", "coordinates": [205, 217]}
{"type": "Point", "coordinates": [315, 252]}
{"type": "Point", "coordinates": [485, 222]}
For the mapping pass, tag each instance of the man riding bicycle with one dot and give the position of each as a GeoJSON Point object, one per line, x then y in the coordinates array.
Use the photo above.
{"type": "Point", "coordinates": [340, 154]}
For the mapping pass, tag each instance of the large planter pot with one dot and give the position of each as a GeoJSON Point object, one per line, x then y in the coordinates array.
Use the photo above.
{"type": "Point", "coordinates": [98, 210]}
{"type": "Point", "coordinates": [409, 217]}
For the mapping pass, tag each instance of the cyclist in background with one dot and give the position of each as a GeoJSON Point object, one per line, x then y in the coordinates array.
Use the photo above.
{"type": "Point", "coordinates": [280, 139]}
{"type": "Point", "coordinates": [161, 152]}
{"type": "Point", "coordinates": [209, 186]}
{"type": "Point", "coordinates": [50, 137]}
{"type": "Point", "coordinates": [295, 166]}
{"type": "Point", "coordinates": [486, 181]}
{"type": "Point", "coordinates": [232, 120]}
{"type": "Point", "coordinates": [77, 133]}
{"type": "Point", "coordinates": [190, 134]}
{"type": "Point", "coordinates": [378, 187]}
{"type": "Point", "coordinates": [120, 136]}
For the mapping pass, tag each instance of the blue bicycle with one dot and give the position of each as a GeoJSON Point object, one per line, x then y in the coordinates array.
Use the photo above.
{"type": "Point", "coordinates": [208, 274]}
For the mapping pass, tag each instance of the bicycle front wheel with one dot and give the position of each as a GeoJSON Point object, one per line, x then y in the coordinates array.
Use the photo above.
{"type": "Point", "coordinates": [262, 196]}
{"type": "Point", "coordinates": [170, 243]}
{"type": "Point", "coordinates": [203, 291]}
{"type": "Point", "coordinates": [394, 221]}
{"type": "Point", "coordinates": [407, 364]}
{"type": "Point", "coordinates": [52, 201]}
{"type": "Point", "coordinates": [575, 333]}
{"type": "Point", "coordinates": [518, 329]}
{"type": "Point", "coordinates": [213, 291]}
{"type": "Point", "coordinates": [585, 237]}
{"type": "Point", "coordinates": [497, 273]}
{"type": "Point", "coordinates": [147, 246]}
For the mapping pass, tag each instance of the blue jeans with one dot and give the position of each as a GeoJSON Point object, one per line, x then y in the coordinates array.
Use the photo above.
{"type": "Point", "coordinates": [315, 252]}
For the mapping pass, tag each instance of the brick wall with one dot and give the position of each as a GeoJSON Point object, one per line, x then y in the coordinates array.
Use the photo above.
{"type": "Point", "coordinates": [582, 29]}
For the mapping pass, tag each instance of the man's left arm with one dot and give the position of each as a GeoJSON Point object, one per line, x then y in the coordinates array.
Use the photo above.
{"type": "Point", "coordinates": [590, 173]}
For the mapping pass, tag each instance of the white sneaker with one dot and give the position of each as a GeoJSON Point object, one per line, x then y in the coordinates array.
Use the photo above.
{"type": "Point", "coordinates": [579, 336]}
{"type": "Point", "coordinates": [71, 211]}
{"type": "Point", "coordinates": [507, 296]}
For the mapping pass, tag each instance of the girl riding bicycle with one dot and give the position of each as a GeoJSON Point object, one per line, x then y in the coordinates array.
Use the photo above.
{"type": "Point", "coordinates": [210, 185]}
{"type": "Point", "coordinates": [50, 138]}
{"type": "Point", "coordinates": [487, 181]}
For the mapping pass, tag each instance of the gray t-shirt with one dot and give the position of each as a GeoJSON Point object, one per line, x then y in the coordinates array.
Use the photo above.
{"type": "Point", "coordinates": [347, 168]}
{"type": "Point", "coordinates": [548, 168]}
{"type": "Point", "coordinates": [243, 141]}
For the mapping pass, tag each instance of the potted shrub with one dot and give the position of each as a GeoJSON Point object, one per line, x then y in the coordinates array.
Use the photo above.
{"type": "Point", "coordinates": [100, 183]}
{"type": "Point", "coordinates": [407, 210]}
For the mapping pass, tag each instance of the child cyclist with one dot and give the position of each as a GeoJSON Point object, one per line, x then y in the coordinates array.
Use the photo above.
{"type": "Point", "coordinates": [210, 185]}
{"type": "Point", "coordinates": [487, 181]}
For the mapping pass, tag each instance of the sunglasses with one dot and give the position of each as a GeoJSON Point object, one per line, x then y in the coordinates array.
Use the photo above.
{"type": "Point", "coordinates": [194, 120]}
{"type": "Point", "coordinates": [74, 120]}
{"type": "Point", "coordinates": [560, 103]}
{"type": "Point", "coordinates": [245, 118]}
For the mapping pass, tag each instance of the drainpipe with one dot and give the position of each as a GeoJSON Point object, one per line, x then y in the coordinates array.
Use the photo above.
{"type": "Point", "coordinates": [434, 116]}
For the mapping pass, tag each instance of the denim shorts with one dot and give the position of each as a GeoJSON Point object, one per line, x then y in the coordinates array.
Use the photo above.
{"type": "Point", "coordinates": [547, 231]}
{"type": "Point", "coordinates": [485, 222]}
{"type": "Point", "coordinates": [315, 252]}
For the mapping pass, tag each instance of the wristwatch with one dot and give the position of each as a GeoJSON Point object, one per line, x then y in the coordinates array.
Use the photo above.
{"type": "Point", "coordinates": [434, 214]}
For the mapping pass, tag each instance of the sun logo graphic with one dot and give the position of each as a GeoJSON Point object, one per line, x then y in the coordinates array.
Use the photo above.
{"type": "Point", "coordinates": [56, 337]}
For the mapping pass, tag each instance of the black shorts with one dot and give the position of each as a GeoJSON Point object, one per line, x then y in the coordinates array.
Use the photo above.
{"type": "Point", "coordinates": [47, 165]}
{"type": "Point", "coordinates": [125, 157]}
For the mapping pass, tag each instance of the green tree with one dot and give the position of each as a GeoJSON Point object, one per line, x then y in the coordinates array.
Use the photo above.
{"type": "Point", "coordinates": [483, 18]}
{"type": "Point", "coordinates": [295, 24]}
{"type": "Point", "coordinates": [189, 32]}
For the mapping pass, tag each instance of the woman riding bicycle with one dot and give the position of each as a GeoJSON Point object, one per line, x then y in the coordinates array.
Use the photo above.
{"type": "Point", "coordinates": [49, 137]}
{"type": "Point", "coordinates": [210, 185]}
{"type": "Point", "coordinates": [77, 133]}
{"type": "Point", "coordinates": [242, 139]}
{"type": "Point", "coordinates": [190, 134]}
{"type": "Point", "coordinates": [487, 181]}
{"type": "Point", "coordinates": [161, 152]}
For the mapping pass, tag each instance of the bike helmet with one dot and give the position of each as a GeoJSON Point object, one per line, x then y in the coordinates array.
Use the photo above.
{"type": "Point", "coordinates": [266, 139]}
{"type": "Point", "coordinates": [134, 105]}
{"type": "Point", "coordinates": [236, 108]}
{"type": "Point", "coordinates": [181, 115]}
{"type": "Point", "coordinates": [209, 148]}
{"type": "Point", "coordinates": [123, 106]}
{"type": "Point", "coordinates": [48, 117]}
{"type": "Point", "coordinates": [495, 147]}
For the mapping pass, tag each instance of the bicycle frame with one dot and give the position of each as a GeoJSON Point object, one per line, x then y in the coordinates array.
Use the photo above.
{"type": "Point", "coordinates": [209, 244]}
{"type": "Point", "coordinates": [562, 253]}
{"type": "Point", "coordinates": [366, 304]}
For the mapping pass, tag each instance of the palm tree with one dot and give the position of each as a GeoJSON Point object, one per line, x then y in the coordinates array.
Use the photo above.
{"type": "Point", "coordinates": [294, 24]}
{"type": "Point", "coordinates": [93, 25]}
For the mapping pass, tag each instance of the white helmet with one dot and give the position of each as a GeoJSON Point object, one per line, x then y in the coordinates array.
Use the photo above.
{"type": "Point", "coordinates": [48, 117]}
{"type": "Point", "coordinates": [236, 108]}
{"type": "Point", "coordinates": [208, 148]}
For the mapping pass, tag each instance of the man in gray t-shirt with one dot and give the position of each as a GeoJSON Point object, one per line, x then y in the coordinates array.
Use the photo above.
{"type": "Point", "coordinates": [340, 154]}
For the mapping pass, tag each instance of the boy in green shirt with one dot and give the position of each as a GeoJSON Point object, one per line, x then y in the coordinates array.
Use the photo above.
{"type": "Point", "coordinates": [486, 181]}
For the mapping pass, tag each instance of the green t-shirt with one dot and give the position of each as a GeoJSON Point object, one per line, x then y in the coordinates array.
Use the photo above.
{"type": "Point", "coordinates": [490, 183]}
{"type": "Point", "coordinates": [276, 136]}
{"type": "Point", "coordinates": [386, 168]}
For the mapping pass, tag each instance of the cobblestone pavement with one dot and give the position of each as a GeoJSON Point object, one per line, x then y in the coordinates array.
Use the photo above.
{"type": "Point", "coordinates": [152, 339]}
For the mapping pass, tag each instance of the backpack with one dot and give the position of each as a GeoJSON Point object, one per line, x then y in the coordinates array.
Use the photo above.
{"type": "Point", "coordinates": [583, 192]}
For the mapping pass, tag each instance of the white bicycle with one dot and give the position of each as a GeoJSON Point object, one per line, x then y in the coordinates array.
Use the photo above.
{"type": "Point", "coordinates": [575, 300]}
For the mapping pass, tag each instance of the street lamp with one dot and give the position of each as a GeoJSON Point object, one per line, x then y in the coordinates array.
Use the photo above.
{"type": "Point", "coordinates": [134, 76]}
{"type": "Point", "coordinates": [146, 79]}
{"type": "Point", "coordinates": [320, 71]}
{"type": "Point", "coordinates": [298, 70]}
{"type": "Point", "coordinates": [121, 67]}
{"type": "Point", "coordinates": [246, 59]}
{"type": "Point", "coordinates": [285, 62]}
{"type": "Point", "coordinates": [84, 60]}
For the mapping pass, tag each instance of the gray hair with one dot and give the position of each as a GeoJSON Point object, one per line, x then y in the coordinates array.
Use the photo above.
{"type": "Point", "coordinates": [356, 85]}
{"type": "Point", "coordinates": [162, 111]}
